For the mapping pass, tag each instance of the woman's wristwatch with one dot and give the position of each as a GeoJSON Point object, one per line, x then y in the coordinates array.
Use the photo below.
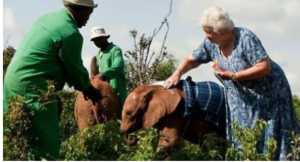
{"type": "Point", "coordinates": [233, 77]}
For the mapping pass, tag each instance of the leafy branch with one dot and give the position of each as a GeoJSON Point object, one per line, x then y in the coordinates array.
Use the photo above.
{"type": "Point", "coordinates": [141, 61]}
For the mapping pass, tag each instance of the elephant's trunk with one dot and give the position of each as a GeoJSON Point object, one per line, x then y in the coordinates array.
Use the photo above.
{"type": "Point", "coordinates": [131, 140]}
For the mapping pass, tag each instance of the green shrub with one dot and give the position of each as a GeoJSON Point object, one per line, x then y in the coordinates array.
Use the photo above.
{"type": "Point", "coordinates": [213, 148]}
{"type": "Point", "coordinates": [67, 124]}
{"type": "Point", "coordinates": [295, 144]}
{"type": "Point", "coordinates": [144, 150]}
{"type": "Point", "coordinates": [17, 129]}
{"type": "Point", "coordinates": [105, 141]}
{"type": "Point", "coordinates": [296, 102]}
{"type": "Point", "coordinates": [248, 137]}
{"type": "Point", "coordinates": [101, 142]}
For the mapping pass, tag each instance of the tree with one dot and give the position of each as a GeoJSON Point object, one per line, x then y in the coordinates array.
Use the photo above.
{"type": "Point", "coordinates": [143, 65]}
{"type": "Point", "coordinates": [296, 102]}
{"type": "Point", "coordinates": [8, 54]}
{"type": "Point", "coordinates": [165, 68]}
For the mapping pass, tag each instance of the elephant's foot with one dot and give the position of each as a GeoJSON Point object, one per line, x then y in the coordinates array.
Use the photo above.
{"type": "Point", "coordinates": [162, 154]}
{"type": "Point", "coordinates": [131, 139]}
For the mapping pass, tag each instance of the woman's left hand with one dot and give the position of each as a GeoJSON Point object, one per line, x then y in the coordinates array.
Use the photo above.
{"type": "Point", "coordinates": [225, 74]}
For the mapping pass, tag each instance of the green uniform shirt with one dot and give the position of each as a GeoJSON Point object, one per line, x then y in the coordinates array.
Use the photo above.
{"type": "Point", "coordinates": [111, 65]}
{"type": "Point", "coordinates": [51, 50]}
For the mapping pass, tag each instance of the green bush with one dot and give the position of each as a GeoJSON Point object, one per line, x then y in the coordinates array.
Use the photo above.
{"type": "Point", "coordinates": [296, 102]}
{"type": "Point", "coordinates": [144, 150]}
{"type": "Point", "coordinates": [213, 148]}
{"type": "Point", "coordinates": [17, 130]}
{"type": "Point", "coordinates": [105, 141]}
{"type": "Point", "coordinates": [295, 144]}
{"type": "Point", "coordinates": [67, 124]}
{"type": "Point", "coordinates": [248, 137]}
{"type": "Point", "coordinates": [102, 142]}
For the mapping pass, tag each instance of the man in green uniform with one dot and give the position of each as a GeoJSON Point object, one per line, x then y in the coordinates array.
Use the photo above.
{"type": "Point", "coordinates": [110, 64]}
{"type": "Point", "coordinates": [51, 50]}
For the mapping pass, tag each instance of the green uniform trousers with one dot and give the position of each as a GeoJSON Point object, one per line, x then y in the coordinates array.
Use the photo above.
{"type": "Point", "coordinates": [45, 121]}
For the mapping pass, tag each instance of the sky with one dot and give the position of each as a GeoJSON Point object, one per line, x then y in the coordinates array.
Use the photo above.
{"type": "Point", "coordinates": [275, 22]}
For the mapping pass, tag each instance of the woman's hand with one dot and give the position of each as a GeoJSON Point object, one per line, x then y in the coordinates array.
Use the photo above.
{"type": "Point", "coordinates": [172, 80]}
{"type": "Point", "coordinates": [189, 62]}
{"type": "Point", "coordinates": [225, 74]}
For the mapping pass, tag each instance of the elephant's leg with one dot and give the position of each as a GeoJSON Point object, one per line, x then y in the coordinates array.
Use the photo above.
{"type": "Point", "coordinates": [168, 141]}
{"type": "Point", "coordinates": [85, 121]}
{"type": "Point", "coordinates": [107, 111]}
{"type": "Point", "coordinates": [169, 138]}
{"type": "Point", "coordinates": [83, 113]}
{"type": "Point", "coordinates": [96, 112]}
{"type": "Point", "coordinates": [170, 135]}
{"type": "Point", "coordinates": [196, 130]}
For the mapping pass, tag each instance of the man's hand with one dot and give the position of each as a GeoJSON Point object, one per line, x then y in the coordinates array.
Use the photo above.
{"type": "Point", "coordinates": [100, 76]}
{"type": "Point", "coordinates": [93, 94]}
{"type": "Point", "coordinates": [92, 77]}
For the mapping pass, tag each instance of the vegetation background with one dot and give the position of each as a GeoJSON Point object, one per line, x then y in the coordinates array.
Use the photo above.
{"type": "Point", "coordinates": [105, 142]}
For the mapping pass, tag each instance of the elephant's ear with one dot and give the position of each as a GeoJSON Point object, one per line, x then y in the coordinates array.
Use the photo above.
{"type": "Point", "coordinates": [160, 103]}
{"type": "Point", "coordinates": [94, 68]}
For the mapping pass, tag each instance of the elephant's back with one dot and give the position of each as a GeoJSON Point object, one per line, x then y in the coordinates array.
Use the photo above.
{"type": "Point", "coordinates": [110, 101]}
{"type": "Point", "coordinates": [103, 87]}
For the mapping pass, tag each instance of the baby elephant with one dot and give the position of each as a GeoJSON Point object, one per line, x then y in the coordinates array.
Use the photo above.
{"type": "Point", "coordinates": [87, 115]}
{"type": "Point", "coordinates": [153, 106]}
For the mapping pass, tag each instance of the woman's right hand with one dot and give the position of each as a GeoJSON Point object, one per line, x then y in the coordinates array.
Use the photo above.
{"type": "Point", "coordinates": [189, 62]}
{"type": "Point", "coordinates": [172, 80]}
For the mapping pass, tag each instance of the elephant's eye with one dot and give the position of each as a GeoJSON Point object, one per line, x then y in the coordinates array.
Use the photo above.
{"type": "Point", "coordinates": [128, 113]}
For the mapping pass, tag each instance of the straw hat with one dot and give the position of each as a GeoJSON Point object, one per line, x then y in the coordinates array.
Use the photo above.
{"type": "Point", "coordinates": [98, 31]}
{"type": "Point", "coordinates": [87, 3]}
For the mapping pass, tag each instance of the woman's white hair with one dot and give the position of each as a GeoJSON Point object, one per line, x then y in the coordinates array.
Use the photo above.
{"type": "Point", "coordinates": [217, 18]}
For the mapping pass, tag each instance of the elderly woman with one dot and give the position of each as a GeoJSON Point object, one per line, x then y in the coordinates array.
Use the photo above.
{"type": "Point", "coordinates": [256, 87]}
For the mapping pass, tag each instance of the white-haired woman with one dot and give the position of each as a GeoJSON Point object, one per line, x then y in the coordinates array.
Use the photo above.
{"type": "Point", "coordinates": [256, 87]}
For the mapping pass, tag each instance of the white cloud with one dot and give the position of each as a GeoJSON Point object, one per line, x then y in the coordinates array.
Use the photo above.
{"type": "Point", "coordinates": [120, 35]}
{"type": "Point", "coordinates": [279, 59]}
{"type": "Point", "coordinates": [156, 46]}
{"type": "Point", "coordinates": [272, 16]}
{"type": "Point", "coordinates": [9, 22]}
{"type": "Point", "coordinates": [190, 43]}
{"type": "Point", "coordinates": [293, 78]}
{"type": "Point", "coordinates": [87, 62]}
{"type": "Point", "coordinates": [294, 82]}
{"type": "Point", "coordinates": [121, 30]}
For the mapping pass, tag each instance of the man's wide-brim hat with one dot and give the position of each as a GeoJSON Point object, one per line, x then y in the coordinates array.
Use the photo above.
{"type": "Point", "coordinates": [87, 3]}
{"type": "Point", "coordinates": [98, 32]}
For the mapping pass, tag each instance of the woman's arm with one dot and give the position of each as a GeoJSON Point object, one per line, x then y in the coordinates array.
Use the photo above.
{"type": "Point", "coordinates": [188, 63]}
{"type": "Point", "coordinates": [257, 71]}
